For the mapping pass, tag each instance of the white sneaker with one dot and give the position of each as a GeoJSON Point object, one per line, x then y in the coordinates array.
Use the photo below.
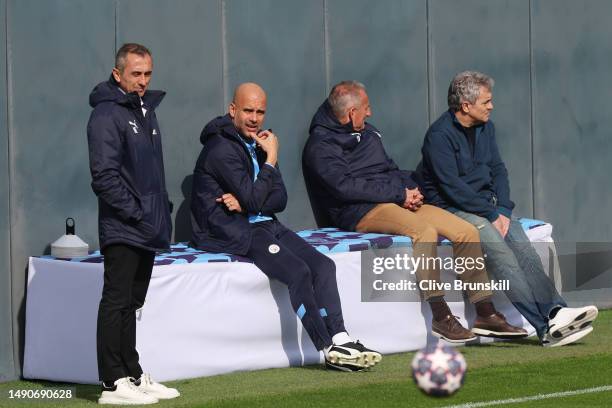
{"type": "Point", "coordinates": [549, 341]}
{"type": "Point", "coordinates": [569, 320]}
{"type": "Point", "coordinates": [126, 393]}
{"type": "Point", "coordinates": [155, 389]}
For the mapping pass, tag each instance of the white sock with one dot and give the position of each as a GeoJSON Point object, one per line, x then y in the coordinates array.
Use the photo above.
{"type": "Point", "coordinates": [326, 351]}
{"type": "Point", "coordinates": [341, 338]}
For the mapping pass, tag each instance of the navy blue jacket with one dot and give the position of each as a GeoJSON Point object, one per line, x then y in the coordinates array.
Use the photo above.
{"type": "Point", "coordinates": [454, 179]}
{"type": "Point", "coordinates": [127, 168]}
{"type": "Point", "coordinates": [347, 173]}
{"type": "Point", "coordinates": [225, 166]}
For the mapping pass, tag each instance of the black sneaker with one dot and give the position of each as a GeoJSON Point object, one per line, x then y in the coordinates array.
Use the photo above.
{"type": "Point", "coordinates": [369, 358]}
{"type": "Point", "coordinates": [344, 358]}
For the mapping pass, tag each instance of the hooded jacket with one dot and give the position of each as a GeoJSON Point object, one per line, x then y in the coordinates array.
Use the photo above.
{"type": "Point", "coordinates": [347, 173]}
{"type": "Point", "coordinates": [225, 166]}
{"type": "Point", "coordinates": [127, 168]}
{"type": "Point", "coordinates": [455, 179]}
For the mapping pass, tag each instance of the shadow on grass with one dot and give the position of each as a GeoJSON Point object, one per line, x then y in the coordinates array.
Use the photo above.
{"type": "Point", "coordinates": [508, 343]}
{"type": "Point", "coordinates": [88, 392]}
{"type": "Point", "coordinates": [83, 391]}
{"type": "Point", "coordinates": [324, 370]}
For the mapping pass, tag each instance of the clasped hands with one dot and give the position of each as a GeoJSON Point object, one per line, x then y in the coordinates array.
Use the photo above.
{"type": "Point", "coordinates": [413, 200]}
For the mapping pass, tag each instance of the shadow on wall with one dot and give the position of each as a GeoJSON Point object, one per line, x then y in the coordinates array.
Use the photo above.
{"type": "Point", "coordinates": [182, 222]}
{"type": "Point", "coordinates": [21, 320]}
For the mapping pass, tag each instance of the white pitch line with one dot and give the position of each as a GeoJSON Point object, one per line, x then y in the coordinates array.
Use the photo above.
{"type": "Point", "coordinates": [532, 398]}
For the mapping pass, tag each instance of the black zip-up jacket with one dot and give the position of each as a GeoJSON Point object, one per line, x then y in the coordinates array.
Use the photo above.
{"type": "Point", "coordinates": [225, 166]}
{"type": "Point", "coordinates": [127, 168]}
{"type": "Point", "coordinates": [455, 178]}
{"type": "Point", "coordinates": [347, 173]}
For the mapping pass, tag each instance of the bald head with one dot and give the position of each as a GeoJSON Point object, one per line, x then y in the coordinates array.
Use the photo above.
{"type": "Point", "coordinates": [248, 89]}
{"type": "Point", "coordinates": [248, 108]}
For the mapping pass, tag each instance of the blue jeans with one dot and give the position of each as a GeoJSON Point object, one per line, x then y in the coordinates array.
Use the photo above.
{"type": "Point", "coordinates": [514, 259]}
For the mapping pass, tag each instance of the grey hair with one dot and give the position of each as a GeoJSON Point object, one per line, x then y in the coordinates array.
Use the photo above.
{"type": "Point", "coordinates": [129, 48]}
{"type": "Point", "coordinates": [345, 95]}
{"type": "Point", "coordinates": [465, 87]}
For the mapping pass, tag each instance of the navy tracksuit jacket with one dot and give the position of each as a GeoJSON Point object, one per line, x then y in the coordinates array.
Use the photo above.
{"type": "Point", "coordinates": [225, 166]}
{"type": "Point", "coordinates": [348, 173]}
{"type": "Point", "coordinates": [127, 168]}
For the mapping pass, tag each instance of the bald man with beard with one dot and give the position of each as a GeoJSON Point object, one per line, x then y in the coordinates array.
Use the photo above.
{"type": "Point", "coordinates": [237, 189]}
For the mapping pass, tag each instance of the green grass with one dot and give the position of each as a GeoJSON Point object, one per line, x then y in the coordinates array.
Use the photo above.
{"type": "Point", "coordinates": [495, 371]}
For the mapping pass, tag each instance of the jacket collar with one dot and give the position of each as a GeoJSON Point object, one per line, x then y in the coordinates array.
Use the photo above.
{"type": "Point", "coordinates": [459, 126]}
{"type": "Point", "coordinates": [151, 99]}
{"type": "Point", "coordinates": [222, 125]}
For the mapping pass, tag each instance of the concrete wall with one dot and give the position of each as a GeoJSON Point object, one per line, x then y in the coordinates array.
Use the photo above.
{"type": "Point", "coordinates": [549, 58]}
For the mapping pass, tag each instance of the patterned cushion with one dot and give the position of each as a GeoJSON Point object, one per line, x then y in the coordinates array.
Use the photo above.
{"type": "Point", "coordinates": [325, 240]}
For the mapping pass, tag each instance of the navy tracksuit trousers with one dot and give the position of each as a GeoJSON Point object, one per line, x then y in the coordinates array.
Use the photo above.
{"type": "Point", "coordinates": [310, 276]}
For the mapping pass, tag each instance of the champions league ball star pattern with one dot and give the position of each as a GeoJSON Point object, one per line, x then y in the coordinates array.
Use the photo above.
{"type": "Point", "coordinates": [438, 370]}
{"type": "Point", "coordinates": [325, 240]}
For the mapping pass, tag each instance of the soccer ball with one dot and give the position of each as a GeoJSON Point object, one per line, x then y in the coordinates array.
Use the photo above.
{"type": "Point", "coordinates": [438, 370]}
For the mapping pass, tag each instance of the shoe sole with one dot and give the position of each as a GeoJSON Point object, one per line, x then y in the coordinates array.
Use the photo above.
{"type": "Point", "coordinates": [496, 334]}
{"type": "Point", "coordinates": [454, 341]}
{"type": "Point", "coordinates": [369, 358]}
{"type": "Point", "coordinates": [339, 360]}
{"type": "Point", "coordinates": [344, 368]}
{"type": "Point", "coordinates": [162, 396]}
{"type": "Point", "coordinates": [572, 338]}
{"type": "Point", "coordinates": [580, 322]}
{"type": "Point", "coordinates": [121, 401]}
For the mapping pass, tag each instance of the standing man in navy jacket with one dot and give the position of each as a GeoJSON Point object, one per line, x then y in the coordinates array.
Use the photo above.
{"type": "Point", "coordinates": [462, 171]}
{"type": "Point", "coordinates": [127, 170]}
{"type": "Point", "coordinates": [354, 185]}
{"type": "Point", "coordinates": [237, 189]}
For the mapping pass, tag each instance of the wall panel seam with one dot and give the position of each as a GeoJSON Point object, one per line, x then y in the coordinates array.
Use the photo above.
{"type": "Point", "coordinates": [224, 57]}
{"type": "Point", "coordinates": [9, 162]}
{"type": "Point", "coordinates": [326, 48]}
{"type": "Point", "coordinates": [532, 112]}
{"type": "Point", "coordinates": [428, 64]}
{"type": "Point", "coordinates": [116, 4]}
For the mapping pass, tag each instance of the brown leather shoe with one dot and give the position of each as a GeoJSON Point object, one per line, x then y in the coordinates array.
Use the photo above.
{"type": "Point", "coordinates": [497, 326]}
{"type": "Point", "coordinates": [451, 330]}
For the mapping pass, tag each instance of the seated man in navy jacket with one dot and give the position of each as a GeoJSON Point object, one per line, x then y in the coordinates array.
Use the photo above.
{"type": "Point", "coordinates": [462, 171]}
{"type": "Point", "coordinates": [354, 185]}
{"type": "Point", "coordinates": [237, 189]}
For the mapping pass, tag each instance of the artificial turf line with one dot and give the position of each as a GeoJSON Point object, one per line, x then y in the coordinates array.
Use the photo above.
{"type": "Point", "coordinates": [532, 398]}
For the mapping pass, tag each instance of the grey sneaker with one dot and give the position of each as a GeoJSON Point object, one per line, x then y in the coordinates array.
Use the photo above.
{"type": "Point", "coordinates": [550, 341]}
{"type": "Point", "coordinates": [569, 320]}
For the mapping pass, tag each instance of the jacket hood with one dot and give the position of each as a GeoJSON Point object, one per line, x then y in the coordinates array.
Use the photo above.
{"type": "Point", "coordinates": [219, 125]}
{"type": "Point", "coordinates": [326, 118]}
{"type": "Point", "coordinates": [343, 135]}
{"type": "Point", "coordinates": [109, 91]}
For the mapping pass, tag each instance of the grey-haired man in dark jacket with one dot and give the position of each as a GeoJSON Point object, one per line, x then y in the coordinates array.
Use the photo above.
{"type": "Point", "coordinates": [462, 171]}
{"type": "Point", "coordinates": [127, 170]}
